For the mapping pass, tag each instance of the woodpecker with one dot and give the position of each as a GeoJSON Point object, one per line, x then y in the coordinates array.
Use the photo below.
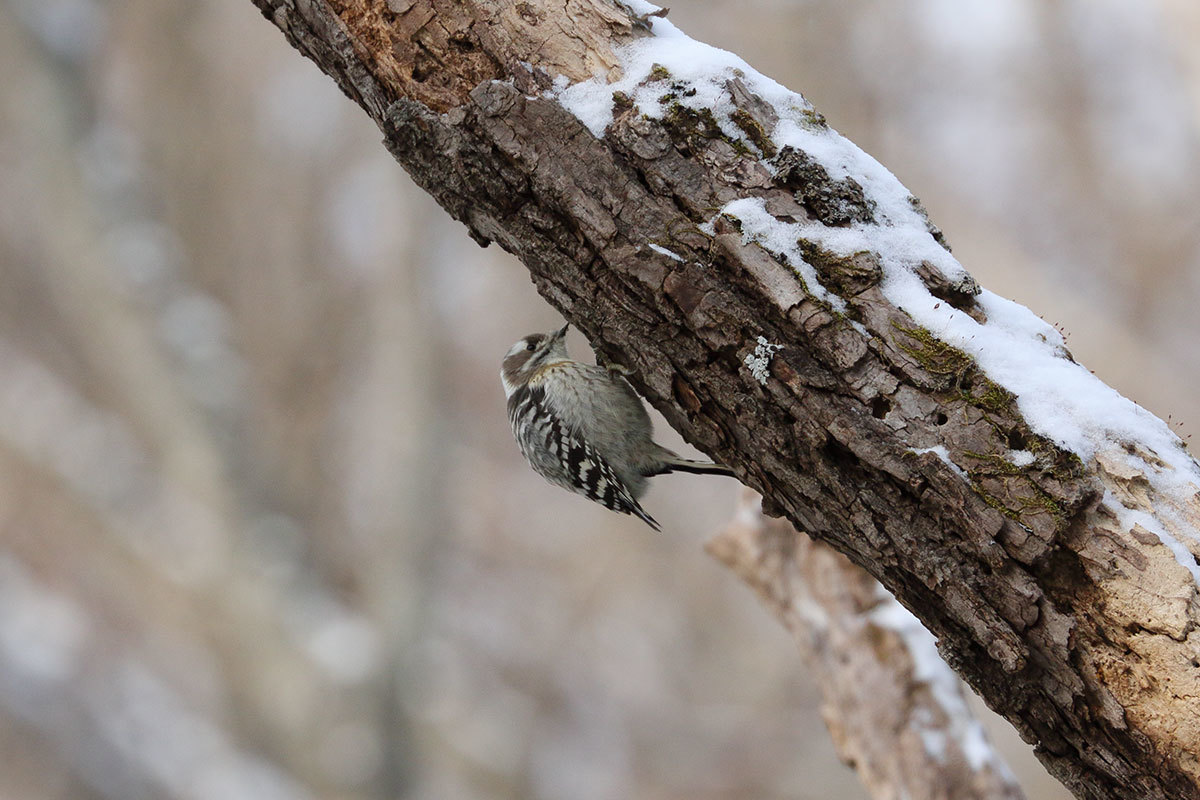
{"type": "Point", "coordinates": [583, 428]}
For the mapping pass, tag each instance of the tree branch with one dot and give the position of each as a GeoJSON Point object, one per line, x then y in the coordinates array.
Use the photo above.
{"type": "Point", "coordinates": [787, 306]}
{"type": "Point", "coordinates": [895, 710]}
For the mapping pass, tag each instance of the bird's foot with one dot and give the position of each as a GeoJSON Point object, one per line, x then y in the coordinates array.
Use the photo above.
{"type": "Point", "coordinates": [617, 369]}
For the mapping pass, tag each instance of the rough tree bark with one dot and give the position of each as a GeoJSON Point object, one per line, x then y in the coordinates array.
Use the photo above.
{"type": "Point", "coordinates": [1076, 625]}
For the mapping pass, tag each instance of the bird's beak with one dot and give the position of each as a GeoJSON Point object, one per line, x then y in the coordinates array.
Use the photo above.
{"type": "Point", "coordinates": [561, 332]}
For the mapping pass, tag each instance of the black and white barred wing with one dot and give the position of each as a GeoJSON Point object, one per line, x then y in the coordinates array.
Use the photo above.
{"type": "Point", "coordinates": [564, 458]}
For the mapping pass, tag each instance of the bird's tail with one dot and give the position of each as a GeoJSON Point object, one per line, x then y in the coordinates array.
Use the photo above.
{"type": "Point", "coordinates": [674, 463]}
{"type": "Point", "coordinates": [641, 514]}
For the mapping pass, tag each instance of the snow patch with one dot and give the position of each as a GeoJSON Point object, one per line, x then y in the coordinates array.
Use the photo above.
{"type": "Point", "coordinates": [760, 227]}
{"type": "Point", "coordinates": [941, 452]}
{"type": "Point", "coordinates": [703, 67]}
{"type": "Point", "coordinates": [1020, 458]}
{"type": "Point", "coordinates": [665, 252]}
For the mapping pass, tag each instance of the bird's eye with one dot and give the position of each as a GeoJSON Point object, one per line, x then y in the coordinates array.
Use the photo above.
{"type": "Point", "coordinates": [531, 347]}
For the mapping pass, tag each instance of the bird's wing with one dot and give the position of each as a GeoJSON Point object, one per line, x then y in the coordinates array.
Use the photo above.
{"type": "Point", "coordinates": [595, 479]}
{"type": "Point", "coordinates": [564, 457]}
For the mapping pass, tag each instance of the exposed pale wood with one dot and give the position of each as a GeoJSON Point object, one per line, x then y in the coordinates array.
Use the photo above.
{"type": "Point", "coordinates": [1078, 630]}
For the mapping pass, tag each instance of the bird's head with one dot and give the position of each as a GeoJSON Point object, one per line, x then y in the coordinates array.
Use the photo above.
{"type": "Point", "coordinates": [531, 353]}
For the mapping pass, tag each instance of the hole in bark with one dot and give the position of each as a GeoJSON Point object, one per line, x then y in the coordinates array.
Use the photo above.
{"type": "Point", "coordinates": [419, 74]}
{"type": "Point", "coordinates": [1016, 440]}
{"type": "Point", "coordinates": [528, 13]}
{"type": "Point", "coordinates": [463, 44]}
{"type": "Point", "coordinates": [840, 455]}
{"type": "Point", "coordinates": [1196, 662]}
{"type": "Point", "coordinates": [880, 406]}
{"type": "Point", "coordinates": [940, 419]}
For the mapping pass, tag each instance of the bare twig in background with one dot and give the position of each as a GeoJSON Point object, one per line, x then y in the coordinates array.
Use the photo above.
{"type": "Point", "coordinates": [896, 712]}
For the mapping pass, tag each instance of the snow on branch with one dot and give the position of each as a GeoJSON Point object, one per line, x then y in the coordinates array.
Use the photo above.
{"type": "Point", "coordinates": [669, 73]}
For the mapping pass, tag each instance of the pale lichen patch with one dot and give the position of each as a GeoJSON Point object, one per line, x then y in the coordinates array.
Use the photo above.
{"type": "Point", "coordinates": [759, 362]}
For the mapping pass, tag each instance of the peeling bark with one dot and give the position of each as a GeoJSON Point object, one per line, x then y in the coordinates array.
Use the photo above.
{"type": "Point", "coordinates": [1077, 626]}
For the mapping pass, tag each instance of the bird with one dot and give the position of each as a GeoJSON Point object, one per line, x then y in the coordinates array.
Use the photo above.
{"type": "Point", "coordinates": [582, 427]}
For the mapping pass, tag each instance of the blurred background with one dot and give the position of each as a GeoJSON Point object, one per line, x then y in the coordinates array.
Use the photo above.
{"type": "Point", "coordinates": [263, 529]}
